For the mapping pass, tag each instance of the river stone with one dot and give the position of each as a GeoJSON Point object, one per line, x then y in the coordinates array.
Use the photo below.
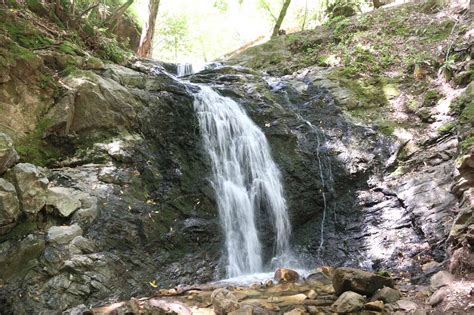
{"type": "Point", "coordinates": [31, 186]}
{"type": "Point", "coordinates": [387, 295]}
{"type": "Point", "coordinates": [244, 310]}
{"type": "Point", "coordinates": [8, 155]}
{"type": "Point", "coordinates": [9, 206]}
{"type": "Point", "coordinates": [377, 306]}
{"type": "Point", "coordinates": [224, 301]}
{"type": "Point", "coordinates": [64, 199]}
{"type": "Point", "coordinates": [63, 234]}
{"type": "Point", "coordinates": [286, 275]}
{"type": "Point", "coordinates": [360, 281]}
{"type": "Point", "coordinates": [438, 296]}
{"type": "Point", "coordinates": [440, 279]}
{"type": "Point", "coordinates": [348, 302]}
{"type": "Point", "coordinates": [407, 305]}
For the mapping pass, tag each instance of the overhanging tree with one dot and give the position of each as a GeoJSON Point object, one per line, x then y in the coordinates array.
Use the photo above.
{"type": "Point", "coordinates": [282, 15]}
{"type": "Point", "coordinates": [146, 39]}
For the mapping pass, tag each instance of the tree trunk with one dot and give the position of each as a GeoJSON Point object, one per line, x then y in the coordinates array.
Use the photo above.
{"type": "Point", "coordinates": [146, 40]}
{"type": "Point", "coordinates": [278, 23]}
{"type": "Point", "coordinates": [117, 14]}
{"type": "Point", "coordinates": [305, 15]}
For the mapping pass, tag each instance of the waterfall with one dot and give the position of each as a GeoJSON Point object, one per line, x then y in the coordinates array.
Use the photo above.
{"type": "Point", "coordinates": [184, 69]}
{"type": "Point", "coordinates": [246, 181]}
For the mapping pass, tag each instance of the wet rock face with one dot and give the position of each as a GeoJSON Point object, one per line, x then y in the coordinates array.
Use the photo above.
{"type": "Point", "coordinates": [31, 184]}
{"type": "Point", "coordinates": [9, 206]}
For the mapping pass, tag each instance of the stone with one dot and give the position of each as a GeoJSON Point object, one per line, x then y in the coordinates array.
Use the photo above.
{"type": "Point", "coordinates": [363, 282]}
{"type": "Point", "coordinates": [224, 301]}
{"type": "Point", "coordinates": [286, 275]}
{"type": "Point", "coordinates": [8, 155]}
{"type": "Point", "coordinates": [64, 199]}
{"type": "Point", "coordinates": [63, 234]}
{"type": "Point", "coordinates": [407, 305]}
{"type": "Point", "coordinates": [244, 310]}
{"type": "Point", "coordinates": [319, 276]}
{"type": "Point", "coordinates": [31, 185]}
{"type": "Point", "coordinates": [81, 245]}
{"type": "Point", "coordinates": [377, 306]}
{"type": "Point", "coordinates": [311, 294]}
{"type": "Point", "coordinates": [348, 302]}
{"type": "Point", "coordinates": [387, 295]}
{"type": "Point", "coordinates": [438, 296]}
{"type": "Point", "coordinates": [296, 311]}
{"type": "Point", "coordinates": [98, 103]}
{"type": "Point", "coordinates": [440, 279]}
{"type": "Point", "coordinates": [9, 206]}
{"type": "Point", "coordinates": [78, 310]}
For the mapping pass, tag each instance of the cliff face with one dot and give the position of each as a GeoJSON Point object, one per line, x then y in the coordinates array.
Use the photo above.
{"type": "Point", "coordinates": [376, 158]}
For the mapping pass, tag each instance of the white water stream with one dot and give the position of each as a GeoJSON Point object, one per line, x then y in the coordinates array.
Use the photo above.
{"type": "Point", "coordinates": [246, 181]}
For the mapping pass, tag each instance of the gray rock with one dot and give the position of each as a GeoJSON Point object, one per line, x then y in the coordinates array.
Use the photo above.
{"type": "Point", "coordinates": [348, 302]}
{"type": "Point", "coordinates": [81, 245]}
{"type": "Point", "coordinates": [78, 310]}
{"type": "Point", "coordinates": [387, 295]}
{"type": "Point", "coordinates": [407, 305]}
{"type": "Point", "coordinates": [8, 155]}
{"type": "Point", "coordinates": [88, 211]}
{"type": "Point", "coordinates": [66, 200]}
{"type": "Point", "coordinates": [360, 281]}
{"type": "Point", "coordinates": [9, 206]}
{"type": "Point", "coordinates": [440, 279]}
{"type": "Point", "coordinates": [224, 301]}
{"type": "Point", "coordinates": [438, 296]}
{"type": "Point", "coordinates": [31, 185]}
{"type": "Point", "coordinates": [63, 234]}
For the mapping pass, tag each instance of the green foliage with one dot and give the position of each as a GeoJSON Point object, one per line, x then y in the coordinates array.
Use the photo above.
{"type": "Point", "coordinates": [342, 8]}
{"type": "Point", "coordinates": [174, 31]}
{"type": "Point", "coordinates": [111, 50]}
{"type": "Point", "coordinates": [22, 33]}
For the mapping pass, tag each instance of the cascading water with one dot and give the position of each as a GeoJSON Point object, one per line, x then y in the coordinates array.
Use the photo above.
{"type": "Point", "coordinates": [246, 181]}
{"type": "Point", "coordinates": [184, 69]}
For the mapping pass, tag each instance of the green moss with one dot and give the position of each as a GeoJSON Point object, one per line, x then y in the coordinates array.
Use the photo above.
{"type": "Point", "coordinates": [431, 98]}
{"type": "Point", "coordinates": [69, 48]}
{"type": "Point", "coordinates": [467, 143]}
{"type": "Point", "coordinates": [23, 33]}
{"type": "Point", "coordinates": [20, 231]}
{"type": "Point", "coordinates": [447, 127]}
{"type": "Point", "coordinates": [34, 149]}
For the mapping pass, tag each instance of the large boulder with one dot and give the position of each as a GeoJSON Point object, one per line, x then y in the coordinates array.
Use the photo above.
{"type": "Point", "coordinates": [66, 200]}
{"type": "Point", "coordinates": [9, 206]}
{"type": "Point", "coordinates": [63, 234]}
{"type": "Point", "coordinates": [348, 302]}
{"type": "Point", "coordinates": [8, 155]}
{"type": "Point", "coordinates": [31, 185]}
{"type": "Point", "coordinates": [360, 281]}
{"type": "Point", "coordinates": [94, 103]}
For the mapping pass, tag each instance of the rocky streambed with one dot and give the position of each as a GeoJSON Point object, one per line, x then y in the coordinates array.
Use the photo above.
{"type": "Point", "coordinates": [326, 290]}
